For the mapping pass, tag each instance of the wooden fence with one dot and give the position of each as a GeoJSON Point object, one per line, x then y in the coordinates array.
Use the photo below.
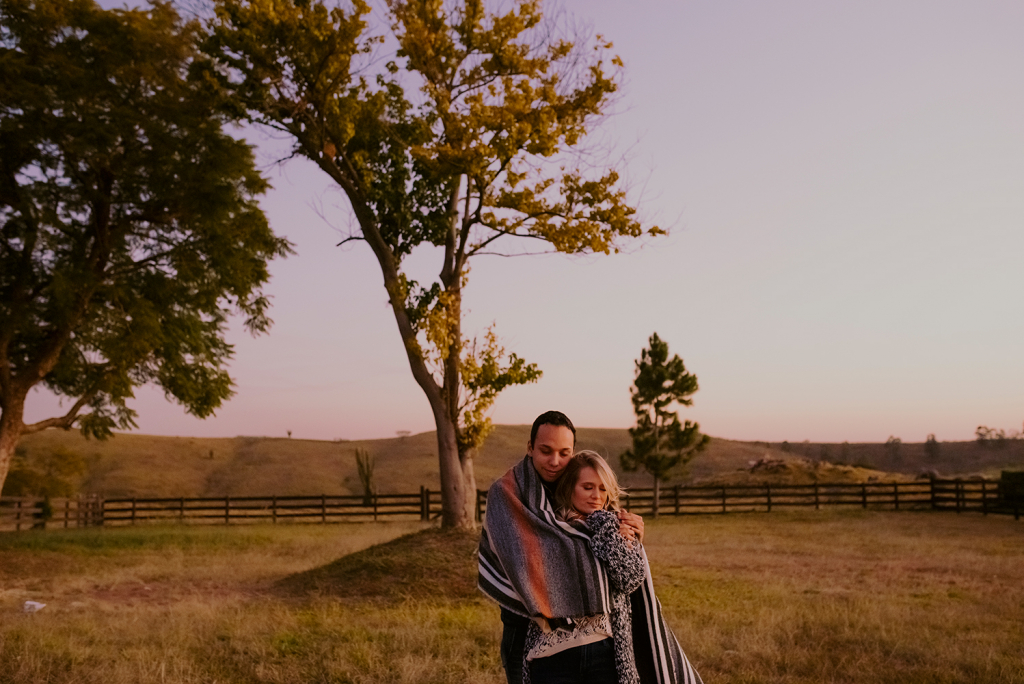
{"type": "Point", "coordinates": [25, 512]}
{"type": "Point", "coordinates": [22, 512]}
{"type": "Point", "coordinates": [19, 513]}
{"type": "Point", "coordinates": [953, 495]}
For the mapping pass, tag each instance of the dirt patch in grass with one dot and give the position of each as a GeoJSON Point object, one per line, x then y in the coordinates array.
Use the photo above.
{"type": "Point", "coordinates": [431, 564]}
{"type": "Point", "coordinates": [167, 593]}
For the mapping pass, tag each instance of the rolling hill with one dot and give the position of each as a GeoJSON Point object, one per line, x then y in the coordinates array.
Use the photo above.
{"type": "Point", "coordinates": [151, 466]}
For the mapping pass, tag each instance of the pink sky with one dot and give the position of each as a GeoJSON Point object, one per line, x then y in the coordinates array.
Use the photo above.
{"type": "Point", "coordinates": [844, 184]}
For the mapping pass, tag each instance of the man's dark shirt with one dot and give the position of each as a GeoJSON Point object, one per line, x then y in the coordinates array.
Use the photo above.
{"type": "Point", "coordinates": [513, 642]}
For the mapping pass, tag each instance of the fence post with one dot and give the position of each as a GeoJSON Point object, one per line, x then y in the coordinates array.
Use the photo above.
{"type": "Point", "coordinates": [103, 511]}
{"type": "Point", "coordinates": [959, 493]}
{"type": "Point", "coordinates": [864, 494]}
{"type": "Point", "coordinates": [133, 510]}
{"type": "Point", "coordinates": [723, 499]}
{"type": "Point", "coordinates": [227, 510]}
{"type": "Point", "coordinates": [67, 511]}
{"type": "Point", "coordinates": [181, 510]}
{"type": "Point", "coordinates": [17, 518]}
{"type": "Point", "coordinates": [677, 499]}
{"type": "Point", "coordinates": [424, 503]}
{"type": "Point", "coordinates": [768, 488]}
{"type": "Point", "coordinates": [817, 504]}
{"type": "Point", "coordinates": [273, 508]}
{"type": "Point", "coordinates": [323, 508]}
{"type": "Point", "coordinates": [896, 494]}
{"type": "Point", "coordinates": [984, 497]}
{"type": "Point", "coordinates": [375, 507]}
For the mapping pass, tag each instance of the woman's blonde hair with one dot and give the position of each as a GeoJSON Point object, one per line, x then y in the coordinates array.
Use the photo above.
{"type": "Point", "coordinates": [571, 475]}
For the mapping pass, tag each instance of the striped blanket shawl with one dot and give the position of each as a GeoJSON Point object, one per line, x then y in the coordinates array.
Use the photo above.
{"type": "Point", "coordinates": [536, 565]}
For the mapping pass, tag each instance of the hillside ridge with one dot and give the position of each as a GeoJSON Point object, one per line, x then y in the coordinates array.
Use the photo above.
{"type": "Point", "coordinates": [131, 464]}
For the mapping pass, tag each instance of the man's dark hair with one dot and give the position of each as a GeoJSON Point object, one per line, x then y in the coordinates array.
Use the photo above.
{"type": "Point", "coordinates": [556, 418]}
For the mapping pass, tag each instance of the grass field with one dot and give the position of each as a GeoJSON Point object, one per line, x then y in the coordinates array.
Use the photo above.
{"type": "Point", "coordinates": [807, 597]}
{"type": "Point", "coordinates": [134, 465]}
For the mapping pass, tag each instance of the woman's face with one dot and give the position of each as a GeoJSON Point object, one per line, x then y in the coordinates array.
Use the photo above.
{"type": "Point", "coordinates": [590, 494]}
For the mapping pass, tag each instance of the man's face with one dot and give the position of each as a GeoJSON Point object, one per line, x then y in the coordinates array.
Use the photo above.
{"type": "Point", "coordinates": [551, 450]}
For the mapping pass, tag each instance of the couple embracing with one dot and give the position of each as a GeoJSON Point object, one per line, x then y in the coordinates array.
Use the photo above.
{"type": "Point", "coordinates": [569, 571]}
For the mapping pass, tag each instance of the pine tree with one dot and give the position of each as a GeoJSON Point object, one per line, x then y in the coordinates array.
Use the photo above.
{"type": "Point", "coordinates": [660, 441]}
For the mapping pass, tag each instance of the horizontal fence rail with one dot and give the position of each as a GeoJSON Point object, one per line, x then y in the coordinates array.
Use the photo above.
{"type": "Point", "coordinates": [25, 512]}
{"type": "Point", "coordinates": [737, 498]}
{"type": "Point", "coordinates": [985, 496]}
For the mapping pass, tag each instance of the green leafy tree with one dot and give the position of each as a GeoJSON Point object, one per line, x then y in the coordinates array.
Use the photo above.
{"type": "Point", "coordinates": [466, 141]}
{"type": "Point", "coordinates": [931, 447]}
{"type": "Point", "coordinates": [660, 442]}
{"type": "Point", "coordinates": [129, 228]}
{"type": "Point", "coordinates": [992, 438]}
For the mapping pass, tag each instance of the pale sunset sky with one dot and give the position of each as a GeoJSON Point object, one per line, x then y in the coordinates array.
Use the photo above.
{"type": "Point", "coordinates": [844, 187]}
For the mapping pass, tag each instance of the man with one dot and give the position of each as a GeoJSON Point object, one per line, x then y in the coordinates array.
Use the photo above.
{"type": "Point", "coordinates": [551, 446]}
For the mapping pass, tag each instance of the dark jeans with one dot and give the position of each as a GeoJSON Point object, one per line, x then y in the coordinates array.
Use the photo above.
{"type": "Point", "coordinates": [513, 639]}
{"type": "Point", "coordinates": [588, 664]}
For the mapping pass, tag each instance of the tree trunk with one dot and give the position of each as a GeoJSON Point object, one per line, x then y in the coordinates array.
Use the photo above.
{"type": "Point", "coordinates": [657, 495]}
{"type": "Point", "coordinates": [442, 399]}
{"type": "Point", "coordinates": [10, 432]}
{"type": "Point", "coordinates": [469, 480]}
{"type": "Point", "coordinates": [462, 501]}
{"type": "Point", "coordinates": [453, 485]}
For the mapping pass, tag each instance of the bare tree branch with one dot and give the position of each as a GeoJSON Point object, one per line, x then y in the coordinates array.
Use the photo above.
{"type": "Point", "coordinates": [66, 422]}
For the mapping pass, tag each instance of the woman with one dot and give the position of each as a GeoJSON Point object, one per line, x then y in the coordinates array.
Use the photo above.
{"type": "Point", "coordinates": [595, 649]}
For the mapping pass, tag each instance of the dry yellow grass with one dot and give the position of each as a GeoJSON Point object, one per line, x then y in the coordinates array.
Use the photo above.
{"type": "Point", "coordinates": [794, 470]}
{"type": "Point", "coordinates": [790, 598]}
{"type": "Point", "coordinates": [846, 596]}
{"type": "Point", "coordinates": [147, 466]}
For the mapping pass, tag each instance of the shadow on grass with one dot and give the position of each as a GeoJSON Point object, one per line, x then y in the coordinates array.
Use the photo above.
{"type": "Point", "coordinates": [431, 564]}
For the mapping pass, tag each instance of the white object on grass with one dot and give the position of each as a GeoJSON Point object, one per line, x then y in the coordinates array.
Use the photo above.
{"type": "Point", "coordinates": [33, 606]}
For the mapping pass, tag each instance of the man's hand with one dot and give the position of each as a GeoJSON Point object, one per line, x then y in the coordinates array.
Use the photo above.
{"type": "Point", "coordinates": [631, 526]}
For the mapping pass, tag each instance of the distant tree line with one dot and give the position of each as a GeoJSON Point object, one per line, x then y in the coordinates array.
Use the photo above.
{"type": "Point", "coordinates": [991, 438]}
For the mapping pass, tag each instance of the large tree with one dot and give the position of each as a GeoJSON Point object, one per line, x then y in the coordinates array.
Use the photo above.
{"type": "Point", "coordinates": [129, 228]}
{"type": "Point", "coordinates": [445, 124]}
{"type": "Point", "coordinates": [660, 442]}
